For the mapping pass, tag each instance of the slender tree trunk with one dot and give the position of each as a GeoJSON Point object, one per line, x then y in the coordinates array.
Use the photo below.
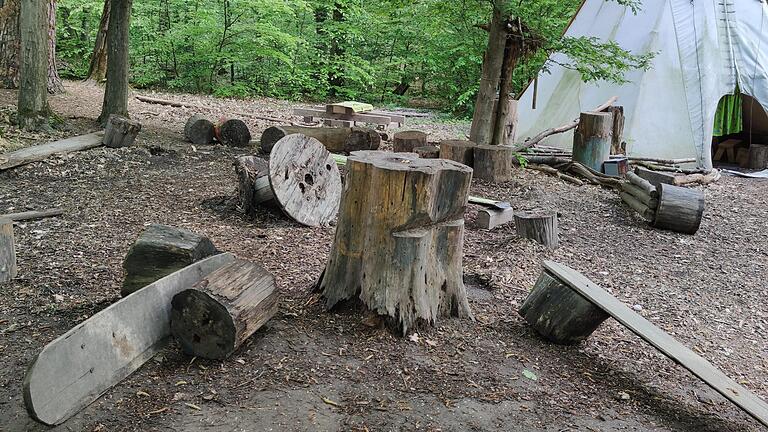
{"type": "Point", "coordinates": [482, 120]}
{"type": "Point", "coordinates": [97, 70]}
{"type": "Point", "coordinates": [511, 56]}
{"type": "Point", "coordinates": [9, 43]}
{"type": "Point", "coordinates": [33, 89]}
{"type": "Point", "coordinates": [54, 80]}
{"type": "Point", "coordinates": [335, 73]}
{"type": "Point", "coordinates": [116, 92]}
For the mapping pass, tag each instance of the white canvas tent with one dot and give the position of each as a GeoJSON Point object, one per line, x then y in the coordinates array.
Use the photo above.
{"type": "Point", "coordinates": [704, 49]}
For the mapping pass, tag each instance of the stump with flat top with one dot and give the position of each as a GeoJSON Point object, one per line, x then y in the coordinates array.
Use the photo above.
{"type": "Point", "coordinates": [120, 131]}
{"type": "Point", "coordinates": [592, 139]}
{"type": "Point", "coordinates": [8, 269]}
{"type": "Point", "coordinates": [406, 141]}
{"type": "Point", "coordinates": [336, 140]}
{"type": "Point", "coordinates": [680, 209]}
{"type": "Point", "coordinates": [460, 151]}
{"type": "Point", "coordinates": [427, 152]}
{"type": "Point", "coordinates": [493, 163]}
{"type": "Point", "coordinates": [232, 133]}
{"type": "Point", "coordinates": [199, 130]}
{"type": "Point", "coordinates": [399, 238]}
{"type": "Point", "coordinates": [538, 225]}
{"type": "Point", "coordinates": [213, 318]}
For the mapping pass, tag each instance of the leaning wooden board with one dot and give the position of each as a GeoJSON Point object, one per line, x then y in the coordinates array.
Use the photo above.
{"type": "Point", "coordinates": [665, 343]}
{"type": "Point", "coordinates": [42, 151]}
{"type": "Point", "coordinates": [74, 370]}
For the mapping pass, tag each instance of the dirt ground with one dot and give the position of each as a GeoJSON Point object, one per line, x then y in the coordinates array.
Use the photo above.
{"type": "Point", "coordinates": [312, 370]}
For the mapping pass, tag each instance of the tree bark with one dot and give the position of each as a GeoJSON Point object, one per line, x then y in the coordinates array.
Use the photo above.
{"type": "Point", "coordinates": [253, 188]}
{"type": "Point", "coordinates": [539, 226]}
{"type": "Point", "coordinates": [33, 90]}
{"type": "Point", "coordinates": [97, 70]}
{"type": "Point", "coordinates": [116, 92]}
{"type": "Point", "coordinates": [336, 140]}
{"type": "Point", "coordinates": [460, 151]}
{"type": "Point", "coordinates": [592, 139]}
{"type": "Point", "coordinates": [427, 152]}
{"type": "Point", "coordinates": [493, 163]}
{"type": "Point", "coordinates": [8, 268]}
{"type": "Point", "coordinates": [483, 118]}
{"type": "Point", "coordinates": [499, 127]}
{"type": "Point", "coordinates": [55, 85]}
{"type": "Point", "coordinates": [680, 209]}
{"type": "Point", "coordinates": [120, 131]}
{"type": "Point", "coordinates": [10, 43]}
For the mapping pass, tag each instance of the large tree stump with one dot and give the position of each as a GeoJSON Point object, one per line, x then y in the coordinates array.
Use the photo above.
{"type": "Point", "coordinates": [220, 312]}
{"type": "Point", "coordinates": [406, 141]}
{"type": "Point", "coordinates": [493, 163]}
{"type": "Point", "coordinates": [399, 238]}
{"type": "Point", "coordinates": [120, 131]}
{"type": "Point", "coordinates": [8, 269]}
{"type": "Point", "coordinates": [680, 209]}
{"type": "Point", "coordinates": [758, 156]}
{"type": "Point", "coordinates": [592, 139]}
{"type": "Point", "coordinates": [336, 140]}
{"type": "Point", "coordinates": [233, 133]}
{"type": "Point", "coordinates": [199, 130]}
{"type": "Point", "coordinates": [559, 313]}
{"type": "Point", "coordinates": [159, 251]}
{"type": "Point", "coordinates": [460, 151]}
{"type": "Point", "coordinates": [427, 152]}
{"type": "Point", "coordinates": [540, 226]}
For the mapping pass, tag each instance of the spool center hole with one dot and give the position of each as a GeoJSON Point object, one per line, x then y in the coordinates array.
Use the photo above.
{"type": "Point", "coordinates": [308, 179]}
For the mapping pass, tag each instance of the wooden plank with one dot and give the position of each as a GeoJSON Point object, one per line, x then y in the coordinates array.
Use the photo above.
{"type": "Point", "coordinates": [364, 118]}
{"type": "Point", "coordinates": [654, 177]}
{"type": "Point", "coordinates": [30, 215]}
{"type": "Point", "coordinates": [663, 342]}
{"type": "Point", "coordinates": [75, 369]}
{"type": "Point", "coordinates": [491, 218]}
{"type": "Point", "coordinates": [42, 151]}
{"type": "Point", "coordinates": [348, 107]}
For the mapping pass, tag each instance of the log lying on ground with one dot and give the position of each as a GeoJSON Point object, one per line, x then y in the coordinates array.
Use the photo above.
{"type": "Point", "coordinates": [592, 140]}
{"type": "Point", "coordinates": [704, 179]}
{"type": "Point", "coordinates": [667, 168]}
{"type": "Point", "coordinates": [427, 152]}
{"type": "Point", "coordinates": [199, 130]}
{"type": "Point", "coordinates": [33, 214]}
{"type": "Point", "coordinates": [640, 195]}
{"type": "Point", "coordinates": [8, 269]}
{"type": "Point", "coordinates": [179, 104]}
{"type": "Point", "coordinates": [680, 209]}
{"type": "Point", "coordinates": [336, 140]}
{"type": "Point", "coordinates": [460, 151]}
{"type": "Point", "coordinates": [642, 184]}
{"type": "Point", "coordinates": [646, 212]}
{"type": "Point", "coordinates": [653, 177]}
{"type": "Point", "coordinates": [120, 131]}
{"type": "Point", "coordinates": [493, 163]}
{"type": "Point", "coordinates": [220, 312]}
{"type": "Point", "coordinates": [159, 251]}
{"type": "Point", "coordinates": [43, 151]}
{"type": "Point", "coordinates": [555, 172]}
{"type": "Point", "coordinates": [406, 141]}
{"type": "Point", "coordinates": [540, 226]}
{"type": "Point", "coordinates": [559, 313]}
{"type": "Point", "coordinates": [233, 133]}
{"type": "Point", "coordinates": [397, 249]}
{"type": "Point", "coordinates": [491, 218]}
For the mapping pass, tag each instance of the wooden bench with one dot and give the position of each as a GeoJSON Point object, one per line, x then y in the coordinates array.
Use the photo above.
{"type": "Point", "coordinates": [381, 119]}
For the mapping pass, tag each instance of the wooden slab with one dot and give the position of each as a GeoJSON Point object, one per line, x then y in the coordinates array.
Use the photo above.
{"type": "Point", "coordinates": [42, 151]}
{"type": "Point", "coordinates": [663, 342]}
{"type": "Point", "coordinates": [75, 369]}
{"type": "Point", "coordinates": [655, 178]}
{"type": "Point", "coordinates": [491, 218]}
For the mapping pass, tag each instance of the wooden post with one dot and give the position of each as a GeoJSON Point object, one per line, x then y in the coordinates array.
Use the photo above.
{"type": "Point", "coordinates": [406, 141]}
{"type": "Point", "coordinates": [199, 130]}
{"type": "Point", "coordinates": [592, 139]}
{"type": "Point", "coordinates": [618, 146]}
{"type": "Point", "coordinates": [655, 178]}
{"type": "Point", "coordinates": [120, 131]}
{"type": "Point", "coordinates": [646, 212]}
{"type": "Point", "coordinates": [427, 152]}
{"type": "Point", "coordinates": [220, 312]}
{"type": "Point", "coordinates": [680, 209]}
{"type": "Point", "coordinates": [460, 151]}
{"type": "Point", "coordinates": [493, 163]}
{"type": "Point", "coordinates": [540, 226]}
{"type": "Point", "coordinates": [758, 156]}
{"type": "Point", "coordinates": [559, 313]}
{"type": "Point", "coordinates": [233, 133]}
{"type": "Point", "coordinates": [336, 140]}
{"type": "Point", "coordinates": [398, 248]}
{"type": "Point", "coordinates": [8, 268]}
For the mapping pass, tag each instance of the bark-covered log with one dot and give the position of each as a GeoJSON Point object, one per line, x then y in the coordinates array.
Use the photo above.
{"type": "Point", "coordinates": [540, 226]}
{"type": "Point", "coordinates": [120, 131]}
{"type": "Point", "coordinates": [8, 268]}
{"type": "Point", "coordinates": [427, 152]}
{"type": "Point", "coordinates": [559, 313]}
{"type": "Point", "coordinates": [159, 251]}
{"type": "Point", "coordinates": [643, 184]}
{"type": "Point", "coordinates": [592, 140]}
{"type": "Point", "coordinates": [406, 141]}
{"type": "Point", "coordinates": [399, 238]}
{"type": "Point", "coordinates": [641, 195]}
{"type": "Point", "coordinates": [618, 146]}
{"type": "Point", "coordinates": [233, 133]}
{"type": "Point", "coordinates": [220, 312]}
{"type": "Point", "coordinates": [646, 212]}
{"type": "Point", "coordinates": [655, 178]}
{"type": "Point", "coordinates": [252, 183]}
{"type": "Point", "coordinates": [493, 163]}
{"type": "Point", "coordinates": [758, 156]}
{"type": "Point", "coordinates": [680, 209]}
{"type": "Point", "coordinates": [336, 140]}
{"type": "Point", "coordinates": [199, 130]}
{"type": "Point", "coordinates": [460, 151]}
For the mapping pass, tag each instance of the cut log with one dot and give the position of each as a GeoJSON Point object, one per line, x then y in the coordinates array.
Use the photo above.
{"type": "Point", "coordinates": [406, 141]}
{"type": "Point", "coordinates": [253, 183]}
{"type": "Point", "coordinates": [336, 140]}
{"type": "Point", "coordinates": [592, 139]}
{"type": "Point", "coordinates": [618, 146]}
{"type": "Point", "coordinates": [120, 131]}
{"type": "Point", "coordinates": [655, 178]}
{"type": "Point", "coordinates": [42, 151]}
{"type": "Point", "coordinates": [646, 212]}
{"type": "Point", "coordinates": [159, 251]}
{"type": "Point", "coordinates": [540, 226]}
{"type": "Point", "coordinates": [199, 130]}
{"type": "Point", "coordinates": [758, 156]}
{"type": "Point", "coordinates": [220, 312]}
{"type": "Point", "coordinates": [558, 313]}
{"type": "Point", "coordinates": [427, 152]}
{"type": "Point", "coordinates": [680, 209]}
{"type": "Point", "coordinates": [398, 248]}
{"type": "Point", "coordinates": [459, 151]}
{"type": "Point", "coordinates": [233, 133]}
{"type": "Point", "coordinates": [640, 195]}
{"type": "Point", "coordinates": [643, 184]}
{"type": "Point", "coordinates": [491, 218]}
{"type": "Point", "coordinates": [493, 163]}
{"type": "Point", "coordinates": [8, 269]}
{"type": "Point", "coordinates": [31, 215]}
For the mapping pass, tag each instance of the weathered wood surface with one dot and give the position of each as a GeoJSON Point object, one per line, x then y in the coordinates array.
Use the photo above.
{"type": "Point", "coordinates": [348, 107]}
{"type": "Point", "coordinates": [659, 339]}
{"type": "Point", "coordinates": [199, 130]}
{"type": "Point", "coordinates": [398, 248]}
{"type": "Point", "coordinates": [120, 131]}
{"type": "Point", "coordinates": [758, 156]}
{"type": "Point", "coordinates": [305, 180]}
{"type": "Point", "coordinates": [643, 184]}
{"type": "Point", "coordinates": [336, 140]}
{"type": "Point", "coordinates": [384, 120]}
{"type": "Point", "coordinates": [640, 195]}
{"type": "Point", "coordinates": [8, 268]}
{"type": "Point", "coordinates": [253, 186]}
{"type": "Point", "coordinates": [220, 312]}
{"type": "Point", "coordinates": [493, 163]}
{"type": "Point", "coordinates": [655, 178]}
{"type": "Point", "coordinates": [75, 369]}
{"type": "Point", "coordinates": [406, 141]}
{"type": "Point", "coordinates": [233, 133]}
{"type": "Point", "coordinates": [460, 151]}
{"type": "Point", "coordinates": [32, 214]}
{"type": "Point", "coordinates": [161, 250]}
{"type": "Point", "coordinates": [618, 146]}
{"type": "Point", "coordinates": [559, 313]}
{"type": "Point", "coordinates": [491, 218]}
{"type": "Point", "coordinates": [646, 212]}
{"type": "Point", "coordinates": [540, 226]}
{"type": "Point", "coordinates": [43, 151]}
{"type": "Point", "coordinates": [680, 209]}
{"type": "Point", "coordinates": [427, 152]}
{"type": "Point", "coordinates": [592, 139]}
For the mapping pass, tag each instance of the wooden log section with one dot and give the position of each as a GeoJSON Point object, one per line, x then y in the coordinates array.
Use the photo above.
{"type": "Point", "coordinates": [592, 139]}
{"type": "Point", "coordinates": [427, 152]}
{"type": "Point", "coordinates": [680, 209]}
{"type": "Point", "coordinates": [618, 146]}
{"type": "Point", "coordinates": [491, 218]}
{"type": "Point", "coordinates": [539, 225]}
{"type": "Point", "coordinates": [120, 131]}
{"type": "Point", "coordinates": [8, 269]}
{"type": "Point", "coordinates": [32, 214]}
{"type": "Point", "coordinates": [558, 313]}
{"type": "Point", "coordinates": [460, 151]}
{"type": "Point", "coordinates": [758, 156]}
{"type": "Point", "coordinates": [643, 184]}
{"type": "Point", "coordinates": [253, 186]}
{"type": "Point", "coordinates": [336, 140]}
{"type": "Point", "coordinates": [646, 212]}
{"type": "Point", "coordinates": [493, 163]}
{"type": "Point", "coordinates": [220, 312]}
{"type": "Point", "coordinates": [640, 195]}
{"type": "Point", "coordinates": [655, 178]}
{"type": "Point", "coordinates": [406, 141]}
{"type": "Point", "coordinates": [399, 238]}
{"type": "Point", "coordinates": [199, 130]}
{"type": "Point", "coordinates": [232, 132]}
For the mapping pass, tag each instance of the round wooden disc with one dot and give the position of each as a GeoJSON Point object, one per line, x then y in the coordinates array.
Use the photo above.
{"type": "Point", "coordinates": [305, 180]}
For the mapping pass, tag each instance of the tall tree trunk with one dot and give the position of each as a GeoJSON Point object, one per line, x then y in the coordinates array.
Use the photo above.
{"type": "Point", "coordinates": [9, 43]}
{"type": "Point", "coordinates": [33, 88]}
{"type": "Point", "coordinates": [482, 120]}
{"type": "Point", "coordinates": [509, 61]}
{"type": "Point", "coordinates": [97, 70]}
{"type": "Point", "coordinates": [336, 72]}
{"type": "Point", "coordinates": [116, 92]}
{"type": "Point", "coordinates": [54, 80]}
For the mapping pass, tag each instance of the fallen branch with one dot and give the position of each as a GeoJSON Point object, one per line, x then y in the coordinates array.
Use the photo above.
{"type": "Point", "coordinates": [30, 215]}
{"type": "Point", "coordinates": [662, 161]}
{"type": "Point", "coordinates": [698, 178]}
{"type": "Point", "coordinates": [42, 151]}
{"type": "Point", "coordinates": [555, 172]}
{"type": "Point", "coordinates": [675, 169]}
{"type": "Point", "coordinates": [177, 104]}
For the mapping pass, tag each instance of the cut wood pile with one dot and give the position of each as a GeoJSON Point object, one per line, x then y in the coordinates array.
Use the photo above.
{"type": "Point", "coordinates": [227, 131]}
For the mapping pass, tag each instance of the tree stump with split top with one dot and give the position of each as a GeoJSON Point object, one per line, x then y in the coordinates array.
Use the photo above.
{"type": "Point", "coordinates": [406, 141]}
{"type": "Point", "coordinates": [540, 226]}
{"type": "Point", "coordinates": [399, 238]}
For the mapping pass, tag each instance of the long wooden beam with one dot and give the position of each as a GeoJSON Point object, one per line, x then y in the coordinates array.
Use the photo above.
{"type": "Point", "coordinates": [43, 151]}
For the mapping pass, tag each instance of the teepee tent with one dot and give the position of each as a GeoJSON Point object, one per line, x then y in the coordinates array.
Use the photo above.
{"type": "Point", "coordinates": [705, 49]}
